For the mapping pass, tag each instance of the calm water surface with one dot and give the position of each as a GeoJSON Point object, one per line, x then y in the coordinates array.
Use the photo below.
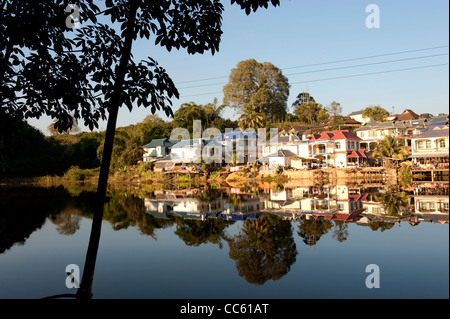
{"type": "Point", "coordinates": [231, 243]}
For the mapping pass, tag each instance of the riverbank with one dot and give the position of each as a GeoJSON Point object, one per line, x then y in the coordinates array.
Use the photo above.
{"type": "Point", "coordinates": [141, 175]}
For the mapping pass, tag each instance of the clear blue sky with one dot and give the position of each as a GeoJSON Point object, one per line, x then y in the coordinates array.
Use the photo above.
{"type": "Point", "coordinates": [299, 33]}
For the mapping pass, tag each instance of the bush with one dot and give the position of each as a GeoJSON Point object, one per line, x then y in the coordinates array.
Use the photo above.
{"type": "Point", "coordinates": [76, 174]}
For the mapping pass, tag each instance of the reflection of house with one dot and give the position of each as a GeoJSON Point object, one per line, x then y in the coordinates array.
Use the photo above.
{"type": "Point", "coordinates": [170, 204]}
{"type": "Point", "coordinates": [431, 204]}
{"type": "Point", "coordinates": [333, 200]}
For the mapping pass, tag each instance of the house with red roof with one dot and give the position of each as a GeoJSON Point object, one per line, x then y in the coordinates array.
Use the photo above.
{"type": "Point", "coordinates": [334, 149]}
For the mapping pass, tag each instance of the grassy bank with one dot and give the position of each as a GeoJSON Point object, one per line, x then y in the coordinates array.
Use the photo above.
{"type": "Point", "coordinates": [145, 175]}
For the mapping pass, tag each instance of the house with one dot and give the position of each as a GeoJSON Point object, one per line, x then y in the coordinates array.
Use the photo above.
{"type": "Point", "coordinates": [344, 122]}
{"type": "Point", "coordinates": [334, 148]}
{"type": "Point", "coordinates": [281, 158]}
{"type": "Point", "coordinates": [430, 148]}
{"type": "Point", "coordinates": [372, 133]}
{"type": "Point", "coordinates": [196, 150]}
{"type": "Point", "coordinates": [246, 146]}
{"type": "Point", "coordinates": [285, 140]}
{"type": "Point", "coordinates": [157, 148]}
{"type": "Point", "coordinates": [358, 116]}
{"type": "Point", "coordinates": [408, 115]}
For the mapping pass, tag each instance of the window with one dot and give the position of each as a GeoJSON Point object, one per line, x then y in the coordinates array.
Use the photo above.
{"type": "Point", "coordinates": [353, 145]}
{"type": "Point", "coordinates": [428, 144]}
{"type": "Point", "coordinates": [420, 144]}
{"type": "Point", "coordinates": [376, 210]}
{"type": "Point", "coordinates": [442, 143]}
{"type": "Point", "coordinates": [372, 133]}
{"type": "Point", "coordinates": [337, 145]}
{"type": "Point", "coordinates": [424, 206]}
{"type": "Point", "coordinates": [362, 134]}
{"type": "Point", "coordinates": [445, 206]}
{"type": "Point", "coordinates": [431, 206]}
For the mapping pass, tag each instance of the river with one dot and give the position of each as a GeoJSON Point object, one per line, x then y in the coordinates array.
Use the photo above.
{"type": "Point", "coordinates": [188, 242]}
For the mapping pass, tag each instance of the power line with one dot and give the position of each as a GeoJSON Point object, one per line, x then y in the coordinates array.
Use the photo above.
{"type": "Point", "coordinates": [340, 77]}
{"type": "Point", "coordinates": [329, 69]}
{"type": "Point", "coordinates": [372, 73]}
{"type": "Point", "coordinates": [328, 62]}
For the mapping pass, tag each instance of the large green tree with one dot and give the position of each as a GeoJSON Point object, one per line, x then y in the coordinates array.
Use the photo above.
{"type": "Point", "coordinates": [187, 113]}
{"type": "Point", "coordinates": [260, 86]}
{"type": "Point", "coordinates": [377, 113]}
{"type": "Point", "coordinates": [310, 113]}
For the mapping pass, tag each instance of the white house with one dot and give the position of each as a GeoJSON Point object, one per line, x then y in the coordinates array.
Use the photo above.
{"type": "Point", "coordinates": [431, 147]}
{"type": "Point", "coordinates": [157, 148]}
{"type": "Point", "coordinates": [334, 148]}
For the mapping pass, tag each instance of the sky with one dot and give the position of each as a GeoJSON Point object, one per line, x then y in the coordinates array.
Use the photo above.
{"type": "Point", "coordinates": [323, 47]}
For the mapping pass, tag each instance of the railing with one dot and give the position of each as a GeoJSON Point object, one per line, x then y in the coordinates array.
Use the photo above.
{"type": "Point", "coordinates": [418, 166]}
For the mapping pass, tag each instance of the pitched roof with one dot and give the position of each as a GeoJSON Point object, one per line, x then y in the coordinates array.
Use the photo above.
{"type": "Point", "coordinates": [189, 143]}
{"type": "Point", "coordinates": [359, 153]}
{"type": "Point", "coordinates": [356, 112]}
{"type": "Point", "coordinates": [159, 142]}
{"type": "Point", "coordinates": [334, 135]}
{"type": "Point", "coordinates": [281, 153]}
{"type": "Point", "coordinates": [407, 115]}
{"type": "Point", "coordinates": [434, 131]}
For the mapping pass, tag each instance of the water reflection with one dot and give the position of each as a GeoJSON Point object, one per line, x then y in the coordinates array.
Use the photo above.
{"type": "Point", "coordinates": [267, 219]}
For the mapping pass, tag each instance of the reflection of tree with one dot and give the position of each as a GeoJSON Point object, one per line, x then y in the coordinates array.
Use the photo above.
{"type": "Point", "coordinates": [148, 224]}
{"type": "Point", "coordinates": [392, 202]}
{"type": "Point", "coordinates": [264, 249]}
{"type": "Point", "coordinates": [236, 200]}
{"type": "Point", "coordinates": [381, 225]}
{"type": "Point", "coordinates": [340, 232]}
{"type": "Point", "coordinates": [312, 229]}
{"type": "Point", "coordinates": [123, 210]}
{"type": "Point", "coordinates": [209, 195]}
{"type": "Point", "coordinates": [68, 220]}
{"type": "Point", "coordinates": [197, 232]}
{"type": "Point", "coordinates": [23, 210]}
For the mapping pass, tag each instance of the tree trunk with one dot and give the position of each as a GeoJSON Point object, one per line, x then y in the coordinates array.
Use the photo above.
{"type": "Point", "coordinates": [85, 290]}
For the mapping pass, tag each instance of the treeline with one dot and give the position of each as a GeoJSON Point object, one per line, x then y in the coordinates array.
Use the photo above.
{"type": "Point", "coordinates": [257, 92]}
{"type": "Point", "coordinates": [27, 152]}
